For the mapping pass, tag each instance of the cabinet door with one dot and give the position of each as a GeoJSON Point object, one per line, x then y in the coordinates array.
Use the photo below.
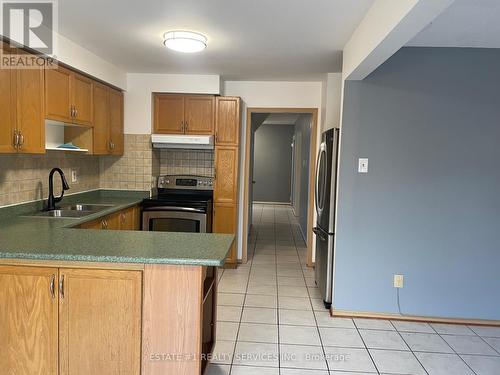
{"type": "Point", "coordinates": [7, 108]}
{"type": "Point", "coordinates": [227, 121]}
{"type": "Point", "coordinates": [129, 219]}
{"type": "Point", "coordinates": [58, 94]}
{"type": "Point", "coordinates": [99, 322]}
{"type": "Point", "coordinates": [226, 174]}
{"type": "Point", "coordinates": [116, 121]}
{"type": "Point", "coordinates": [82, 99]}
{"type": "Point", "coordinates": [101, 119]}
{"type": "Point", "coordinates": [95, 224]}
{"type": "Point", "coordinates": [199, 114]}
{"type": "Point", "coordinates": [29, 114]}
{"type": "Point", "coordinates": [224, 221]}
{"type": "Point", "coordinates": [168, 114]}
{"type": "Point", "coordinates": [28, 320]}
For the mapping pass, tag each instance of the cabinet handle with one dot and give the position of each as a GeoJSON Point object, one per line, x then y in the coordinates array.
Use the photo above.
{"type": "Point", "coordinates": [185, 126]}
{"type": "Point", "coordinates": [52, 286]}
{"type": "Point", "coordinates": [76, 112]}
{"type": "Point", "coordinates": [182, 127]}
{"type": "Point", "coordinates": [21, 140]}
{"type": "Point", "coordinates": [122, 215]}
{"type": "Point", "coordinates": [103, 224]}
{"type": "Point", "coordinates": [71, 111]}
{"type": "Point", "coordinates": [61, 286]}
{"type": "Point", "coordinates": [16, 139]}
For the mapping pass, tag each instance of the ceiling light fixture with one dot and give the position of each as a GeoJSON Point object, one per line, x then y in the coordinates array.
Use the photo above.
{"type": "Point", "coordinates": [185, 41]}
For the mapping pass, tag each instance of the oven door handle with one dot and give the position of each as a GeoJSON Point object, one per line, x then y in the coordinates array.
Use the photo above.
{"type": "Point", "coordinates": [172, 208]}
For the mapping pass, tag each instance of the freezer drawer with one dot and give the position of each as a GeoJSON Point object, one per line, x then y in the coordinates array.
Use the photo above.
{"type": "Point", "coordinates": [324, 264]}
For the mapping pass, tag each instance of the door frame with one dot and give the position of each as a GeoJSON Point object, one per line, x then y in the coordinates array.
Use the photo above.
{"type": "Point", "coordinates": [312, 168]}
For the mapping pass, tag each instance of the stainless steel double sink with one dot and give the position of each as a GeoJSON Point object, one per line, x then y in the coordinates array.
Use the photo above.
{"type": "Point", "coordinates": [73, 211]}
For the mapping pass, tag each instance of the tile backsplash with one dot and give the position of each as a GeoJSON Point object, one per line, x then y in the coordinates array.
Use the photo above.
{"type": "Point", "coordinates": [24, 178]}
{"type": "Point", "coordinates": [133, 170]}
{"type": "Point", "coordinates": [190, 162]}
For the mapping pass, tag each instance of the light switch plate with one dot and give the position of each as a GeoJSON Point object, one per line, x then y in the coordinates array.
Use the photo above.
{"type": "Point", "coordinates": [363, 165]}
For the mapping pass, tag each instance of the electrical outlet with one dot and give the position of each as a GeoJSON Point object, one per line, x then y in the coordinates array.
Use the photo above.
{"type": "Point", "coordinates": [398, 281]}
{"type": "Point", "coordinates": [74, 176]}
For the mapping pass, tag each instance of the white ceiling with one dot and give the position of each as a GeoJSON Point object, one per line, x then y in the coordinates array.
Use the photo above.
{"type": "Point", "coordinates": [282, 119]}
{"type": "Point", "coordinates": [466, 23]}
{"type": "Point", "coordinates": [247, 39]}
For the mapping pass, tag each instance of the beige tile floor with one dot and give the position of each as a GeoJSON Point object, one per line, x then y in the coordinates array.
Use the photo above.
{"type": "Point", "coordinates": [271, 321]}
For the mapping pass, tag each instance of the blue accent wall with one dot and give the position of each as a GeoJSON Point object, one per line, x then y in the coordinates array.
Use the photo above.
{"type": "Point", "coordinates": [429, 121]}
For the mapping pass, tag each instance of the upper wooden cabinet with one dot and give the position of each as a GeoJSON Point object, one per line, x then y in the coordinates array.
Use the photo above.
{"type": "Point", "coordinates": [21, 114]}
{"type": "Point", "coordinates": [68, 96]}
{"type": "Point", "coordinates": [82, 99]}
{"type": "Point", "coordinates": [107, 120]}
{"type": "Point", "coordinates": [58, 104]}
{"type": "Point", "coordinates": [116, 136]}
{"type": "Point", "coordinates": [227, 120]}
{"type": "Point", "coordinates": [199, 114]}
{"type": "Point", "coordinates": [101, 119]}
{"type": "Point", "coordinates": [183, 114]}
{"type": "Point", "coordinates": [168, 114]}
{"type": "Point", "coordinates": [8, 127]}
{"type": "Point", "coordinates": [29, 320]}
{"type": "Point", "coordinates": [226, 175]}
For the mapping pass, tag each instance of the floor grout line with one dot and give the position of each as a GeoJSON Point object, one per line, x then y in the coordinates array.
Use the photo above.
{"type": "Point", "coordinates": [276, 260]}
{"type": "Point", "coordinates": [409, 347]}
{"type": "Point", "coordinates": [454, 351]}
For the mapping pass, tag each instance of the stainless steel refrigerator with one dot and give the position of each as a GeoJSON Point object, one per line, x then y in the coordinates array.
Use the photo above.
{"type": "Point", "coordinates": [325, 202]}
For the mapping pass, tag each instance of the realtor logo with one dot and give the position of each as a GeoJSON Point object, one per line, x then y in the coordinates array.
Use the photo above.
{"type": "Point", "coordinates": [30, 24]}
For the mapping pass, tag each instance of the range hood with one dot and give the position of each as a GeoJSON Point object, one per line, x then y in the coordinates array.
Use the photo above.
{"type": "Point", "coordinates": [197, 142]}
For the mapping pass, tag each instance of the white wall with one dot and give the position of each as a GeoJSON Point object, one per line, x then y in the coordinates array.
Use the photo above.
{"type": "Point", "coordinates": [331, 97]}
{"type": "Point", "coordinates": [388, 26]}
{"type": "Point", "coordinates": [140, 86]}
{"type": "Point", "coordinates": [82, 59]}
{"type": "Point", "coordinates": [270, 94]}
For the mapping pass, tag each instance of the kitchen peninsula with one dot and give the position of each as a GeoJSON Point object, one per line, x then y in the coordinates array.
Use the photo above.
{"type": "Point", "coordinates": [101, 301]}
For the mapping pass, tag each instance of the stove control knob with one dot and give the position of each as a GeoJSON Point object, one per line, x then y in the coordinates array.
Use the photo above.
{"type": "Point", "coordinates": [210, 183]}
{"type": "Point", "coordinates": [167, 182]}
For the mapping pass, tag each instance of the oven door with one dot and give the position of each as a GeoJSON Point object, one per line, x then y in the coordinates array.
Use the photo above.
{"type": "Point", "coordinates": [174, 219]}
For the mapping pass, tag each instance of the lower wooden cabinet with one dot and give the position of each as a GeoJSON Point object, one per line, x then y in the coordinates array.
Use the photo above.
{"type": "Point", "coordinates": [99, 322]}
{"type": "Point", "coordinates": [28, 320]}
{"type": "Point", "coordinates": [70, 321]}
{"type": "Point", "coordinates": [179, 319]}
{"type": "Point", "coordinates": [225, 221]}
{"type": "Point", "coordinates": [128, 219]}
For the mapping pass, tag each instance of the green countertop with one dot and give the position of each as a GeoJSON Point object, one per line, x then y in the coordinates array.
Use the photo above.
{"type": "Point", "coordinates": [41, 238]}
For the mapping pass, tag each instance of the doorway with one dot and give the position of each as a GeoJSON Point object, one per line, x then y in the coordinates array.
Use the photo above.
{"type": "Point", "coordinates": [280, 155]}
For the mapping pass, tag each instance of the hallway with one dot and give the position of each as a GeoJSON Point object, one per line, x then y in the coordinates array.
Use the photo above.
{"type": "Point", "coordinates": [271, 321]}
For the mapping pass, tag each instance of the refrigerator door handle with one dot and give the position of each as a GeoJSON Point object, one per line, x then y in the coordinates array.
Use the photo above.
{"type": "Point", "coordinates": [318, 232]}
{"type": "Point", "coordinates": [322, 150]}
